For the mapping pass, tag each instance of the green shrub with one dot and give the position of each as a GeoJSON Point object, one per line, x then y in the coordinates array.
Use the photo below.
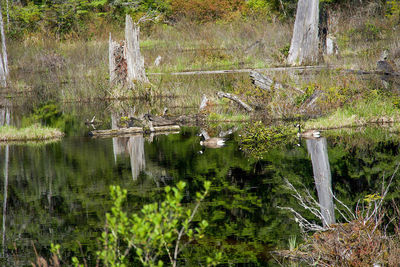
{"type": "Point", "coordinates": [158, 229]}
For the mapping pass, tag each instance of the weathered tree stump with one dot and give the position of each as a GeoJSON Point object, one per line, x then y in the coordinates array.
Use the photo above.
{"type": "Point", "coordinates": [126, 63]}
{"type": "Point", "coordinates": [304, 45]}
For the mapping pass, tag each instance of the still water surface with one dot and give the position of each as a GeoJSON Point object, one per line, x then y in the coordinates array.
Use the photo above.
{"type": "Point", "coordinates": [59, 192]}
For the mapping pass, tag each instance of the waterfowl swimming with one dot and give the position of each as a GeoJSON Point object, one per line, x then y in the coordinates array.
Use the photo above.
{"type": "Point", "coordinates": [308, 133]}
{"type": "Point", "coordinates": [214, 142]}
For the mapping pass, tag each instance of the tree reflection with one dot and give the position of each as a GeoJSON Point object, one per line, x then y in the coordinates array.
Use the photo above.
{"type": "Point", "coordinates": [318, 150]}
{"type": "Point", "coordinates": [133, 145]}
{"type": "Point", "coordinates": [5, 116]}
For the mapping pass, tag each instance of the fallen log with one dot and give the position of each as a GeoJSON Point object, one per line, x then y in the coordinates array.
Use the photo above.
{"type": "Point", "coordinates": [264, 82]}
{"type": "Point", "coordinates": [236, 99]}
{"type": "Point", "coordinates": [134, 130]}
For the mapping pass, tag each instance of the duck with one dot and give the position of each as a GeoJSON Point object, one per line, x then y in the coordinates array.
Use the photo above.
{"type": "Point", "coordinates": [211, 142]}
{"type": "Point", "coordinates": [308, 133]}
{"type": "Point", "coordinates": [214, 142]}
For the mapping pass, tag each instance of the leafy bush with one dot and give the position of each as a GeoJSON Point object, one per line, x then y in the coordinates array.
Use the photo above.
{"type": "Point", "coordinates": [158, 229]}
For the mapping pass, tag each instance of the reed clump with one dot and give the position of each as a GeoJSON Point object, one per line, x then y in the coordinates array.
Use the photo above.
{"type": "Point", "coordinates": [30, 133]}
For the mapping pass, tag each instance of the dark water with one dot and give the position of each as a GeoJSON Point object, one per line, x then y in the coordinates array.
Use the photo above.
{"type": "Point", "coordinates": [59, 192]}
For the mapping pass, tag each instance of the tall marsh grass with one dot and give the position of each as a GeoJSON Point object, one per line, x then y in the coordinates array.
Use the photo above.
{"type": "Point", "coordinates": [376, 110]}
{"type": "Point", "coordinates": [34, 132]}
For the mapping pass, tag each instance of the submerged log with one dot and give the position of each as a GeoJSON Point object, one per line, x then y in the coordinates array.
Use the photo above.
{"type": "Point", "coordinates": [236, 99]}
{"type": "Point", "coordinates": [134, 130]}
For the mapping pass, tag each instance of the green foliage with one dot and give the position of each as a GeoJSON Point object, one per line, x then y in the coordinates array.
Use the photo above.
{"type": "Point", "coordinates": [258, 138]}
{"type": "Point", "coordinates": [48, 114]}
{"type": "Point", "coordinates": [158, 229]}
{"type": "Point", "coordinates": [393, 11]}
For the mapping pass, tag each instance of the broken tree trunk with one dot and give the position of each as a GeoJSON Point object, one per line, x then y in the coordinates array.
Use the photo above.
{"type": "Point", "coordinates": [236, 99]}
{"type": "Point", "coordinates": [304, 45]}
{"type": "Point", "coordinates": [126, 64]}
{"type": "Point", "coordinates": [134, 59]}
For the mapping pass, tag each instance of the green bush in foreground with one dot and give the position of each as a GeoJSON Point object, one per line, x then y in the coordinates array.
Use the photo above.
{"type": "Point", "coordinates": [158, 229]}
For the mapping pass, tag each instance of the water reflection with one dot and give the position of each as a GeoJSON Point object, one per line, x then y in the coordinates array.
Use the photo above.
{"type": "Point", "coordinates": [136, 153]}
{"type": "Point", "coordinates": [318, 149]}
{"type": "Point", "coordinates": [133, 145]}
{"type": "Point", "coordinates": [5, 117]}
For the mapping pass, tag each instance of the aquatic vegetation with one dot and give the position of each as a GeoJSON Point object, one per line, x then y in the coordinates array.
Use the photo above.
{"type": "Point", "coordinates": [34, 132]}
{"type": "Point", "coordinates": [258, 138]}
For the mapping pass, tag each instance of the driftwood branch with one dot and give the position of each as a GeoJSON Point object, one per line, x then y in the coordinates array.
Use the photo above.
{"type": "Point", "coordinates": [203, 104]}
{"type": "Point", "coordinates": [236, 99]}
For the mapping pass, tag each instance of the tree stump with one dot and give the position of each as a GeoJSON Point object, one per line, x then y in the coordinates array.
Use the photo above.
{"type": "Point", "coordinates": [126, 63]}
{"type": "Point", "coordinates": [304, 45]}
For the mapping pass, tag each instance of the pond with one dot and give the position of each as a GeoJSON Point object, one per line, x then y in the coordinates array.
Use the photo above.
{"type": "Point", "coordinates": [58, 192]}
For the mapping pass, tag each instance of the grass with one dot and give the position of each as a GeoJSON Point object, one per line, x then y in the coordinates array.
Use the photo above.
{"type": "Point", "coordinates": [378, 110]}
{"type": "Point", "coordinates": [77, 70]}
{"type": "Point", "coordinates": [34, 132]}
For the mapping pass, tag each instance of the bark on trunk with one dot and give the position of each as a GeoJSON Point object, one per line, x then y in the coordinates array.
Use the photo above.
{"type": "Point", "coordinates": [112, 64]}
{"type": "Point", "coordinates": [304, 45]}
{"type": "Point", "coordinates": [134, 59]}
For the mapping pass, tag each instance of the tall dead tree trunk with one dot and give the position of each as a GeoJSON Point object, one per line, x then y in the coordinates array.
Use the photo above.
{"type": "Point", "coordinates": [304, 45]}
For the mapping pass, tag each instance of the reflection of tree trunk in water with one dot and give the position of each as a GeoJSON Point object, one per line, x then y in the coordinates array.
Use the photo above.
{"type": "Point", "coordinates": [5, 117]}
{"type": "Point", "coordinates": [318, 149]}
{"type": "Point", "coordinates": [5, 199]}
{"type": "Point", "coordinates": [136, 153]}
{"type": "Point", "coordinates": [119, 144]}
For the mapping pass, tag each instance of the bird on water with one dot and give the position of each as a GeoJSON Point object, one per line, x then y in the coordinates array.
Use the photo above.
{"type": "Point", "coordinates": [213, 142]}
{"type": "Point", "coordinates": [308, 133]}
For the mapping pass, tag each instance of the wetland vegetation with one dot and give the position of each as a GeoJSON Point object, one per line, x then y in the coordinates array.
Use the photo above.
{"type": "Point", "coordinates": [59, 84]}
